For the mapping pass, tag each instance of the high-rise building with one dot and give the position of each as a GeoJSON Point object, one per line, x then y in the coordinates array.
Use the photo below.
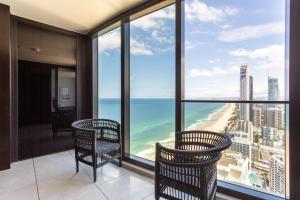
{"type": "Point", "coordinates": [277, 174]}
{"type": "Point", "coordinates": [251, 97]}
{"type": "Point", "coordinates": [246, 127]}
{"type": "Point", "coordinates": [273, 89]}
{"type": "Point", "coordinates": [268, 135]}
{"type": "Point", "coordinates": [233, 167]}
{"type": "Point", "coordinates": [241, 146]}
{"type": "Point", "coordinates": [273, 117]}
{"type": "Point", "coordinates": [244, 92]}
{"type": "Point", "coordinates": [257, 116]}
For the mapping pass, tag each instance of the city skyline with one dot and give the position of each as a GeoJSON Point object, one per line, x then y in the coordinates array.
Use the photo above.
{"type": "Point", "coordinates": [238, 32]}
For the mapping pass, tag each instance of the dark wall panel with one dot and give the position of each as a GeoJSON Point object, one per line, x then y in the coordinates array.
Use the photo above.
{"type": "Point", "coordinates": [4, 87]}
{"type": "Point", "coordinates": [84, 77]}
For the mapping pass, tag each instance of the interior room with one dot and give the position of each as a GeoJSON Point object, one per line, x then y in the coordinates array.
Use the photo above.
{"type": "Point", "coordinates": [149, 99]}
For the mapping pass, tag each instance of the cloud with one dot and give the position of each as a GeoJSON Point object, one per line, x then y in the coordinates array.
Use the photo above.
{"type": "Point", "coordinates": [155, 19]}
{"type": "Point", "coordinates": [251, 32]}
{"type": "Point", "coordinates": [109, 41]}
{"type": "Point", "coordinates": [267, 57]}
{"type": "Point", "coordinates": [214, 71]}
{"type": "Point", "coordinates": [189, 45]}
{"type": "Point", "coordinates": [112, 40]}
{"type": "Point", "coordinates": [139, 48]}
{"type": "Point", "coordinates": [197, 10]}
{"type": "Point", "coordinates": [161, 37]}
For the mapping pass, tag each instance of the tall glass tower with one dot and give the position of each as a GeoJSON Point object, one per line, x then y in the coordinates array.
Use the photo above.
{"type": "Point", "coordinates": [273, 89]}
{"type": "Point", "coordinates": [244, 92]}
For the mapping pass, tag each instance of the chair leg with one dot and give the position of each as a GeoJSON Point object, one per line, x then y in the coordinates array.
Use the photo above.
{"type": "Point", "coordinates": [76, 160]}
{"type": "Point", "coordinates": [94, 158]}
{"type": "Point", "coordinates": [77, 165]}
{"type": "Point", "coordinates": [120, 161]}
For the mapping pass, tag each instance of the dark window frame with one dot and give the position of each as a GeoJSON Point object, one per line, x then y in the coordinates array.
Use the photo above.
{"type": "Point", "coordinates": [294, 126]}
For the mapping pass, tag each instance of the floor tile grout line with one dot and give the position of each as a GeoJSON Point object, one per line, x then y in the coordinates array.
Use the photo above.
{"type": "Point", "coordinates": [36, 182]}
{"type": "Point", "coordinates": [148, 195]}
{"type": "Point", "coordinates": [95, 184]}
{"type": "Point", "coordinates": [106, 197]}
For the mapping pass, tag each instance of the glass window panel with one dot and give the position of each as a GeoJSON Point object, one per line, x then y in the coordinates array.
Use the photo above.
{"type": "Point", "coordinates": [109, 75]}
{"type": "Point", "coordinates": [152, 81]}
{"type": "Point", "coordinates": [257, 157]}
{"type": "Point", "coordinates": [233, 44]}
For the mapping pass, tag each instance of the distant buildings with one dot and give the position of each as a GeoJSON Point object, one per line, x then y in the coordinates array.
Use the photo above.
{"type": "Point", "coordinates": [233, 167]}
{"type": "Point", "coordinates": [244, 92]}
{"type": "Point", "coordinates": [241, 146]}
{"type": "Point", "coordinates": [273, 117]}
{"type": "Point", "coordinates": [251, 97]}
{"type": "Point", "coordinates": [258, 139]}
{"type": "Point", "coordinates": [268, 135]}
{"type": "Point", "coordinates": [246, 127]}
{"type": "Point", "coordinates": [257, 116]}
{"type": "Point", "coordinates": [277, 174]}
{"type": "Point", "coordinates": [273, 89]}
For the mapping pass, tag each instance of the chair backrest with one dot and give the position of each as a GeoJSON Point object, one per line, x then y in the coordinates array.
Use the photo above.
{"type": "Point", "coordinates": [107, 130]}
{"type": "Point", "coordinates": [202, 141]}
{"type": "Point", "coordinates": [185, 157]}
{"type": "Point", "coordinates": [89, 130]}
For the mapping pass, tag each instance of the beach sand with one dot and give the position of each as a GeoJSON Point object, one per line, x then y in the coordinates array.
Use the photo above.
{"type": "Point", "coordinates": [216, 122]}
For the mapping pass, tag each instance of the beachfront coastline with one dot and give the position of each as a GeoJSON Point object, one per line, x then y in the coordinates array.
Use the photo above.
{"type": "Point", "coordinates": [215, 122]}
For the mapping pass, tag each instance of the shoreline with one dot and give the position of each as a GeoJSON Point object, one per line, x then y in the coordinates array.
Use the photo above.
{"type": "Point", "coordinates": [218, 121]}
{"type": "Point", "coordinates": [215, 122]}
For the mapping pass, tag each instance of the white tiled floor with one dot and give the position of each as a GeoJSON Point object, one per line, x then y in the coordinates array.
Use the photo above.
{"type": "Point", "coordinates": [53, 177]}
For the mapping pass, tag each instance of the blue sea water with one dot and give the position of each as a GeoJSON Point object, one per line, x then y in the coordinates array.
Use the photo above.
{"type": "Point", "coordinates": [153, 120]}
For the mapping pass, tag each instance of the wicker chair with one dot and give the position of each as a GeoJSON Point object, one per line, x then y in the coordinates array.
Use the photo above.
{"type": "Point", "coordinates": [97, 142]}
{"type": "Point", "coordinates": [190, 170]}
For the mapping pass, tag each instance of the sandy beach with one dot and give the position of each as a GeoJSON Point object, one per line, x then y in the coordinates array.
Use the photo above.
{"type": "Point", "coordinates": [216, 122]}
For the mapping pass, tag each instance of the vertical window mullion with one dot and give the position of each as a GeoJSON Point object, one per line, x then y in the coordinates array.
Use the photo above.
{"type": "Point", "coordinates": [125, 86]}
{"type": "Point", "coordinates": [179, 60]}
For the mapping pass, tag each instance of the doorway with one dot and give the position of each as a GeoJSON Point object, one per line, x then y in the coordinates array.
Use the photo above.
{"type": "Point", "coordinates": [39, 111]}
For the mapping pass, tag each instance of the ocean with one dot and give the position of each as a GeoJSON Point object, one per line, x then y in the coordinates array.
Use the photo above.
{"type": "Point", "coordinates": [153, 120]}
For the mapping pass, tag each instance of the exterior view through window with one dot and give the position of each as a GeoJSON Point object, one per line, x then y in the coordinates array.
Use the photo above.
{"type": "Point", "coordinates": [152, 81]}
{"type": "Point", "coordinates": [235, 51]}
{"type": "Point", "coordinates": [109, 75]}
{"type": "Point", "coordinates": [235, 82]}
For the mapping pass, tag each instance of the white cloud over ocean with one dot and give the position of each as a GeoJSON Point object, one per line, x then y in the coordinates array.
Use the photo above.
{"type": "Point", "coordinates": [251, 32]}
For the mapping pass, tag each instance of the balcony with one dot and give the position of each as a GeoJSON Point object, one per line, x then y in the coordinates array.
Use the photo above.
{"type": "Point", "coordinates": [155, 68]}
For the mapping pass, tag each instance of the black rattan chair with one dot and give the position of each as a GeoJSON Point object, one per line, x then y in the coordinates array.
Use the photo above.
{"type": "Point", "coordinates": [97, 142]}
{"type": "Point", "coordinates": [190, 170]}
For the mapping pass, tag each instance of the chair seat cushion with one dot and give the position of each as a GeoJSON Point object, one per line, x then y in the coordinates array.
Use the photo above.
{"type": "Point", "coordinates": [103, 147]}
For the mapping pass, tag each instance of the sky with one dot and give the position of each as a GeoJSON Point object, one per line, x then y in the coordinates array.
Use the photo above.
{"type": "Point", "coordinates": [220, 36]}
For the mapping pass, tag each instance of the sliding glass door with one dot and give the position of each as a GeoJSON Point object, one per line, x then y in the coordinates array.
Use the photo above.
{"type": "Point", "coordinates": [152, 81]}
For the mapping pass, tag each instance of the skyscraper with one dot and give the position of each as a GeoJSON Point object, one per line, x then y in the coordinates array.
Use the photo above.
{"type": "Point", "coordinates": [273, 117]}
{"type": "Point", "coordinates": [251, 97]}
{"type": "Point", "coordinates": [244, 92]}
{"type": "Point", "coordinates": [257, 121]}
{"type": "Point", "coordinates": [277, 174]}
{"type": "Point", "coordinates": [273, 89]}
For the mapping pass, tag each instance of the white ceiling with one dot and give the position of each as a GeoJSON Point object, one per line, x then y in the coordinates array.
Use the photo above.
{"type": "Point", "coordinates": [75, 15]}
